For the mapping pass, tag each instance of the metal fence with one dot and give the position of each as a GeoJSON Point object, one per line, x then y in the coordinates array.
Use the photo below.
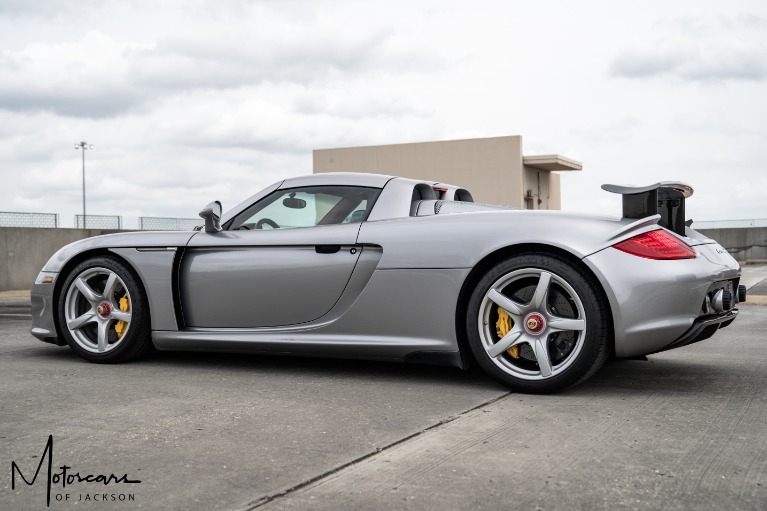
{"type": "Point", "coordinates": [729, 224]}
{"type": "Point", "coordinates": [12, 219]}
{"type": "Point", "coordinates": [98, 222]}
{"type": "Point", "coordinates": [149, 223]}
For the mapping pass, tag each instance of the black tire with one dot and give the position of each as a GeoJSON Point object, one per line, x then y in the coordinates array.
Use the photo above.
{"type": "Point", "coordinates": [587, 311]}
{"type": "Point", "coordinates": [121, 342]}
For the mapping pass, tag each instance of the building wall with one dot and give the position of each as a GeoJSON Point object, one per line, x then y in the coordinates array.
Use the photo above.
{"type": "Point", "coordinates": [555, 191]}
{"type": "Point", "coordinates": [544, 186]}
{"type": "Point", "coordinates": [491, 168]}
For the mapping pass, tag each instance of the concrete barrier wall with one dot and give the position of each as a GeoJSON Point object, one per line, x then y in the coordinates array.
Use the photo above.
{"type": "Point", "coordinates": [24, 251]}
{"type": "Point", "coordinates": [745, 244]}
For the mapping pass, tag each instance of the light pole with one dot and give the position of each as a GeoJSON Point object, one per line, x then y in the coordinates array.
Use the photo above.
{"type": "Point", "coordinates": [83, 146]}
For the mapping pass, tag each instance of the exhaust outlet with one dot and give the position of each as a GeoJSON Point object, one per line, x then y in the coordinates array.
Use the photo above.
{"type": "Point", "coordinates": [741, 293]}
{"type": "Point", "coordinates": [722, 301]}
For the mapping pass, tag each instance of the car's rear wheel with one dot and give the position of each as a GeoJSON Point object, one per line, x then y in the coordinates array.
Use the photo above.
{"type": "Point", "coordinates": [538, 324]}
{"type": "Point", "coordinates": [103, 313]}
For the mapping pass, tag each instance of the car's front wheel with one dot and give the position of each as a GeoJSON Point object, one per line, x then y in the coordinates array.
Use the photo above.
{"type": "Point", "coordinates": [537, 323]}
{"type": "Point", "coordinates": [103, 313]}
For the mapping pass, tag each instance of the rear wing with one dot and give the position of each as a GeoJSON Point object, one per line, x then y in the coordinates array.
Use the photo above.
{"type": "Point", "coordinates": [665, 199]}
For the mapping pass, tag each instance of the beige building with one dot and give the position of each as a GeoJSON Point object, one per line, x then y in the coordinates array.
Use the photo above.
{"type": "Point", "coordinates": [494, 169]}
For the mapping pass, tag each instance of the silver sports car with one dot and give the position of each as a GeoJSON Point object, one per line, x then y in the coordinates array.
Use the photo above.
{"type": "Point", "coordinates": [380, 267]}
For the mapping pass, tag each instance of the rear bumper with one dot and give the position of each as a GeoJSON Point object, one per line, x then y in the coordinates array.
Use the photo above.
{"type": "Point", "coordinates": [658, 305]}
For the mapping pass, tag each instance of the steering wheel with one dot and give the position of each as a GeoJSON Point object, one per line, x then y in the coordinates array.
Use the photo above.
{"type": "Point", "coordinates": [267, 221]}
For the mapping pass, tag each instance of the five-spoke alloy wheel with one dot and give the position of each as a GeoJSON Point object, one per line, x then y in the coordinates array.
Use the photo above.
{"type": "Point", "coordinates": [102, 311]}
{"type": "Point", "coordinates": [537, 323]}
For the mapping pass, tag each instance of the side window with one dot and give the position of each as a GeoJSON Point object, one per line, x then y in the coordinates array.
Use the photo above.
{"type": "Point", "coordinates": [359, 214]}
{"type": "Point", "coordinates": [308, 207]}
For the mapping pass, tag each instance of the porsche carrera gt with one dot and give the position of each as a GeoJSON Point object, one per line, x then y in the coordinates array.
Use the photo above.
{"type": "Point", "coordinates": [380, 267]}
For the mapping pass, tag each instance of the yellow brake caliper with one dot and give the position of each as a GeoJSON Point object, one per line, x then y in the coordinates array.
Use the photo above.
{"type": "Point", "coordinates": [122, 326]}
{"type": "Point", "coordinates": [502, 327]}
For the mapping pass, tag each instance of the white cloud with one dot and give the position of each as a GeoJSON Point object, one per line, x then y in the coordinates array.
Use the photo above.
{"type": "Point", "coordinates": [85, 78]}
{"type": "Point", "coordinates": [187, 102]}
{"type": "Point", "coordinates": [97, 76]}
{"type": "Point", "coordinates": [700, 49]}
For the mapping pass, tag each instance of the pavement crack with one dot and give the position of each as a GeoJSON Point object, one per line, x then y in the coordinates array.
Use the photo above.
{"type": "Point", "coordinates": [262, 501]}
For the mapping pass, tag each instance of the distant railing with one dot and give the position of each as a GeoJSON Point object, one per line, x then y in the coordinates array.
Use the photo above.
{"type": "Point", "coordinates": [149, 223]}
{"type": "Point", "coordinates": [98, 222]}
{"type": "Point", "coordinates": [42, 220]}
{"type": "Point", "coordinates": [729, 224]}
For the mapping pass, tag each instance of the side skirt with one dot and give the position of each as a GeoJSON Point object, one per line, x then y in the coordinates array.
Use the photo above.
{"type": "Point", "coordinates": [416, 350]}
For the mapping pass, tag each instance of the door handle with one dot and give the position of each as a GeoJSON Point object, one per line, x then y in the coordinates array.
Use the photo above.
{"type": "Point", "coordinates": [327, 249]}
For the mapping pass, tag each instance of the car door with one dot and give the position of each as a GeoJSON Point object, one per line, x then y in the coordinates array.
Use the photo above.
{"type": "Point", "coordinates": [261, 272]}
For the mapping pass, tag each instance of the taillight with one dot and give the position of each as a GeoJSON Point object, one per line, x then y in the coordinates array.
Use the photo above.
{"type": "Point", "coordinates": [656, 245]}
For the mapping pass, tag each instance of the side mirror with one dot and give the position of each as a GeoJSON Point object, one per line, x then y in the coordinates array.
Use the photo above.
{"type": "Point", "coordinates": [212, 216]}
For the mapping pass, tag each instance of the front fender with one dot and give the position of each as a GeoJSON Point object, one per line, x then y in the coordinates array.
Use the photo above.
{"type": "Point", "coordinates": [144, 239]}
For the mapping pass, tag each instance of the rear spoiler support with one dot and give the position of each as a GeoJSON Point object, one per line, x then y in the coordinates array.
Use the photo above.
{"type": "Point", "coordinates": [665, 198]}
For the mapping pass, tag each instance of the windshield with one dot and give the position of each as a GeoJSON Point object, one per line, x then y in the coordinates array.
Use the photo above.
{"type": "Point", "coordinates": [308, 207]}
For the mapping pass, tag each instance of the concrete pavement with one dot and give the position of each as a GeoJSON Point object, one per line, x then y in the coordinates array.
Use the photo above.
{"type": "Point", "coordinates": [753, 274]}
{"type": "Point", "coordinates": [208, 431]}
{"type": "Point", "coordinates": [684, 430]}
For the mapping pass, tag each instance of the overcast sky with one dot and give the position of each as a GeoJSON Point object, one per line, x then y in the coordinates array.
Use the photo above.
{"type": "Point", "coordinates": [192, 101]}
